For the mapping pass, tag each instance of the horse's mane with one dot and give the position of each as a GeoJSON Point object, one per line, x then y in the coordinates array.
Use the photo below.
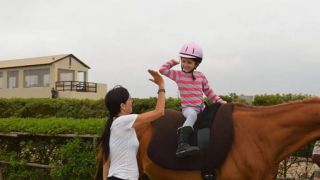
{"type": "Point", "coordinates": [296, 102]}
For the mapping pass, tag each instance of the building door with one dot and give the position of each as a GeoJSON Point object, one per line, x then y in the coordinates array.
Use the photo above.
{"type": "Point", "coordinates": [81, 76]}
{"type": "Point", "coordinates": [66, 78]}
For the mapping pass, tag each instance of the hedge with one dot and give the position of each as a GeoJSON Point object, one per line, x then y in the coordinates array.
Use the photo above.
{"type": "Point", "coordinates": [73, 108]}
{"type": "Point", "coordinates": [68, 158]}
{"type": "Point", "coordinates": [52, 126]}
{"type": "Point", "coordinates": [70, 108]}
{"type": "Point", "coordinates": [273, 99]}
{"type": "Point", "coordinates": [43, 142]}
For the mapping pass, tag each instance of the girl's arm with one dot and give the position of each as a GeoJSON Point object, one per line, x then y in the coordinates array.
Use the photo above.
{"type": "Point", "coordinates": [210, 93]}
{"type": "Point", "coordinates": [167, 71]}
{"type": "Point", "coordinates": [159, 109]}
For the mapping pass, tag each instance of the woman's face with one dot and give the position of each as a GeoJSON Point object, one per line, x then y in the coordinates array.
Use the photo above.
{"type": "Point", "coordinates": [127, 106]}
{"type": "Point", "coordinates": [188, 64]}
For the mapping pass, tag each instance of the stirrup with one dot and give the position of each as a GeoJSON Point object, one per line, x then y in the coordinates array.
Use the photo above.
{"type": "Point", "coordinates": [208, 177]}
{"type": "Point", "coordinates": [188, 152]}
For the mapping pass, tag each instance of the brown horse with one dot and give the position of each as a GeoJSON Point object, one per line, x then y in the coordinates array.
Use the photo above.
{"type": "Point", "coordinates": [264, 136]}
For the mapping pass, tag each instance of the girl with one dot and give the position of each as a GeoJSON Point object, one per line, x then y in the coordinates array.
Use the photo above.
{"type": "Point", "coordinates": [191, 84]}
{"type": "Point", "coordinates": [119, 144]}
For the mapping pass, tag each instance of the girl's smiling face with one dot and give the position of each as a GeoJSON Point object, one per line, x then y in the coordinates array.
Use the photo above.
{"type": "Point", "coordinates": [188, 64]}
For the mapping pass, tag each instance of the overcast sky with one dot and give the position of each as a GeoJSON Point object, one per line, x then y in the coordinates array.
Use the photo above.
{"type": "Point", "coordinates": [250, 46]}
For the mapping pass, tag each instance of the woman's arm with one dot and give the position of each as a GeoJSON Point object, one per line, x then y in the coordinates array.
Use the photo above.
{"type": "Point", "coordinates": [106, 167]}
{"type": "Point", "coordinates": [159, 109]}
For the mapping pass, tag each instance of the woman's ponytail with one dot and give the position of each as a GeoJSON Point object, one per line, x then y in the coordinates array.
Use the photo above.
{"type": "Point", "coordinates": [103, 148]}
{"type": "Point", "coordinates": [106, 136]}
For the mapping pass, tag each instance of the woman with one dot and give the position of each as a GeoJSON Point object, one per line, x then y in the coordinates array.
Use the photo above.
{"type": "Point", "coordinates": [119, 145]}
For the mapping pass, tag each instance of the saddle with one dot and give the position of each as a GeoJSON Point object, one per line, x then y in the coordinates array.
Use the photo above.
{"type": "Point", "coordinates": [163, 143]}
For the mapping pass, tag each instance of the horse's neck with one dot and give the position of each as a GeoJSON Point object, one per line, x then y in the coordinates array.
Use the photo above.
{"type": "Point", "coordinates": [284, 129]}
{"type": "Point", "coordinates": [298, 126]}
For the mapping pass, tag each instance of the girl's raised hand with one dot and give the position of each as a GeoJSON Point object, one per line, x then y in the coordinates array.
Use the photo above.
{"type": "Point", "coordinates": [177, 62]}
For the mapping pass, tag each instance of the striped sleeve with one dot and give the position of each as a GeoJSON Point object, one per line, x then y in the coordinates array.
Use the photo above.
{"type": "Point", "coordinates": [209, 92]}
{"type": "Point", "coordinates": [167, 71]}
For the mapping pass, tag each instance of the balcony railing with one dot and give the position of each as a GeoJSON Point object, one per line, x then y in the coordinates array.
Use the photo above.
{"type": "Point", "coordinates": [76, 86]}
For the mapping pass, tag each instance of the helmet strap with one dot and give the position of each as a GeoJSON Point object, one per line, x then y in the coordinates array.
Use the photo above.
{"type": "Point", "coordinates": [194, 78]}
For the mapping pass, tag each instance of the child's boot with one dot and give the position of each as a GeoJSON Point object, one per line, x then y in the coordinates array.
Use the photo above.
{"type": "Point", "coordinates": [184, 149]}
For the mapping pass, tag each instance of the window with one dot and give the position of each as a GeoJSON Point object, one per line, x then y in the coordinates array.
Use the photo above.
{"type": "Point", "coordinates": [13, 79]}
{"type": "Point", "coordinates": [37, 78]}
{"type": "Point", "coordinates": [1, 81]}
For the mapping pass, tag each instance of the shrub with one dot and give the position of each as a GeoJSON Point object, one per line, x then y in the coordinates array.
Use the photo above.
{"type": "Point", "coordinates": [77, 161]}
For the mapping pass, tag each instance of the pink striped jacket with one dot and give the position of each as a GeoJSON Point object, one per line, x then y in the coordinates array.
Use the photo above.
{"type": "Point", "coordinates": [191, 91]}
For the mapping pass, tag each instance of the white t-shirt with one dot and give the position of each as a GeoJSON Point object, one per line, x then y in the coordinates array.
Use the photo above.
{"type": "Point", "coordinates": [123, 148]}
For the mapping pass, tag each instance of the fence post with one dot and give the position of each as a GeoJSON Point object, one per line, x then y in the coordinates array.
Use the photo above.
{"type": "Point", "coordinates": [94, 143]}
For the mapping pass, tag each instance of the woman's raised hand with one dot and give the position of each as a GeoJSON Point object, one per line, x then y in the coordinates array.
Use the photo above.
{"type": "Point", "coordinates": [157, 78]}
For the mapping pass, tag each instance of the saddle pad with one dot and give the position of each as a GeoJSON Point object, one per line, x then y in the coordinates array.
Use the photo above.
{"type": "Point", "coordinates": [163, 144]}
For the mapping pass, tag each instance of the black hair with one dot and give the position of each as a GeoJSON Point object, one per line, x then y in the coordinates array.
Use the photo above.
{"type": "Point", "coordinates": [198, 60]}
{"type": "Point", "coordinates": [113, 100]}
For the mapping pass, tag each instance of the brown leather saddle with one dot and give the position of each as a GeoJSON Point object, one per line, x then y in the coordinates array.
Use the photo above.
{"type": "Point", "coordinates": [163, 143]}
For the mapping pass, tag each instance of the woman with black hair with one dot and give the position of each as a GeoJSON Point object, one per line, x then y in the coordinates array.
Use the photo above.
{"type": "Point", "coordinates": [119, 145]}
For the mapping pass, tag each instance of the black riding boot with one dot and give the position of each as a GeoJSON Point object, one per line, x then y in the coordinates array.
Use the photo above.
{"type": "Point", "coordinates": [184, 149]}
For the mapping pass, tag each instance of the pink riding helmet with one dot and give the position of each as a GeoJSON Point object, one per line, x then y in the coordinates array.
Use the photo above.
{"type": "Point", "coordinates": [191, 50]}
